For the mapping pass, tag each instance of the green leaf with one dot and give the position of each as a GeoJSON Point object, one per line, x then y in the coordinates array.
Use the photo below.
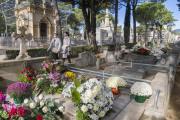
{"type": "Point", "coordinates": [51, 104]}
{"type": "Point", "coordinates": [76, 96]}
{"type": "Point", "coordinates": [41, 82]}
{"type": "Point", "coordinates": [83, 80]}
{"type": "Point", "coordinates": [77, 83]}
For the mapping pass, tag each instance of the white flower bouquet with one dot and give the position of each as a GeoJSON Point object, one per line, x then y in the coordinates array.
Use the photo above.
{"type": "Point", "coordinates": [116, 82]}
{"type": "Point", "coordinates": [95, 98]}
{"type": "Point", "coordinates": [44, 109]}
{"type": "Point", "coordinates": [140, 91]}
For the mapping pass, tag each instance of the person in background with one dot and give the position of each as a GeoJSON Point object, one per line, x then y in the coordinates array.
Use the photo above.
{"type": "Point", "coordinates": [66, 47]}
{"type": "Point", "coordinates": [55, 47]}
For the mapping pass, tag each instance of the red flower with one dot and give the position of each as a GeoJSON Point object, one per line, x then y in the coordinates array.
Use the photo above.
{"type": "Point", "coordinates": [28, 69]}
{"type": "Point", "coordinates": [21, 72]}
{"type": "Point", "coordinates": [28, 108]}
{"type": "Point", "coordinates": [13, 112]}
{"type": "Point", "coordinates": [40, 117]}
{"type": "Point", "coordinates": [36, 70]}
{"type": "Point", "coordinates": [33, 82]}
{"type": "Point", "coordinates": [34, 75]}
{"type": "Point", "coordinates": [32, 68]}
{"type": "Point", "coordinates": [21, 111]}
{"type": "Point", "coordinates": [27, 75]}
{"type": "Point", "coordinates": [29, 78]}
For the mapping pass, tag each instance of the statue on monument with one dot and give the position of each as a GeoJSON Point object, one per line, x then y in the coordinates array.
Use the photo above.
{"type": "Point", "coordinates": [107, 12]}
{"type": "Point", "coordinates": [111, 23]}
{"type": "Point", "coordinates": [102, 24]}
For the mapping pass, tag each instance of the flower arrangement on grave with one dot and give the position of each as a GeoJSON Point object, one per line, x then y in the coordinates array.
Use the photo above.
{"type": "Point", "coordinates": [93, 98]}
{"type": "Point", "coordinates": [19, 91]}
{"type": "Point", "coordinates": [28, 76]}
{"type": "Point", "coordinates": [164, 50]}
{"type": "Point", "coordinates": [140, 50]}
{"type": "Point", "coordinates": [44, 109]}
{"type": "Point", "coordinates": [12, 112]}
{"type": "Point", "coordinates": [50, 83]}
{"type": "Point", "coordinates": [115, 83]}
{"type": "Point", "coordinates": [140, 91]}
{"type": "Point", "coordinates": [1, 79]}
{"type": "Point", "coordinates": [71, 76]}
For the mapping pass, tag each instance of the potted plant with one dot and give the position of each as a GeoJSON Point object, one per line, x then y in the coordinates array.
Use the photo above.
{"type": "Point", "coordinates": [71, 76]}
{"type": "Point", "coordinates": [28, 76]}
{"type": "Point", "coordinates": [141, 91]}
{"type": "Point", "coordinates": [115, 83]}
{"type": "Point", "coordinates": [19, 91]}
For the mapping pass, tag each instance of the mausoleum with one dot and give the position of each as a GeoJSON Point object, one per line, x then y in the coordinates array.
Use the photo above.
{"type": "Point", "coordinates": [37, 16]}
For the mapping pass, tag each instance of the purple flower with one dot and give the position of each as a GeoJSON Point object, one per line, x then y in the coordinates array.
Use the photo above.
{"type": "Point", "coordinates": [19, 88]}
{"type": "Point", "coordinates": [53, 77]}
{"type": "Point", "coordinates": [64, 77]}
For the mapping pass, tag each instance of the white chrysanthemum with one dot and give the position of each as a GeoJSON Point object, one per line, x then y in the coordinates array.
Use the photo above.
{"type": "Point", "coordinates": [115, 82]}
{"type": "Point", "coordinates": [26, 101]}
{"type": "Point", "coordinates": [80, 89]}
{"type": "Point", "coordinates": [85, 101]}
{"type": "Point", "coordinates": [101, 97]}
{"type": "Point", "coordinates": [40, 97]}
{"type": "Point", "coordinates": [89, 106]}
{"type": "Point", "coordinates": [102, 114]}
{"type": "Point", "coordinates": [141, 89]}
{"type": "Point", "coordinates": [96, 107]}
{"type": "Point", "coordinates": [32, 105]}
{"type": "Point", "coordinates": [61, 108]}
{"type": "Point", "coordinates": [93, 80]}
{"type": "Point", "coordinates": [92, 100]}
{"type": "Point", "coordinates": [57, 101]}
{"type": "Point", "coordinates": [45, 109]}
{"type": "Point", "coordinates": [93, 94]}
{"type": "Point", "coordinates": [84, 108]}
{"type": "Point", "coordinates": [42, 103]}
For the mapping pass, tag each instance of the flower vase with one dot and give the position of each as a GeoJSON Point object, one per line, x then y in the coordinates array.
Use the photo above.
{"type": "Point", "coordinates": [115, 91]}
{"type": "Point", "coordinates": [140, 99]}
{"type": "Point", "coordinates": [18, 100]}
{"type": "Point", "coordinates": [98, 63]}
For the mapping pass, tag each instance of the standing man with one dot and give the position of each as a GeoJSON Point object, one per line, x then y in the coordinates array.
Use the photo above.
{"type": "Point", "coordinates": [66, 47]}
{"type": "Point", "coordinates": [55, 47]}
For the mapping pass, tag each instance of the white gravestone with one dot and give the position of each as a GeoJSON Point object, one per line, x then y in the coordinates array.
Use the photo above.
{"type": "Point", "coordinates": [23, 55]}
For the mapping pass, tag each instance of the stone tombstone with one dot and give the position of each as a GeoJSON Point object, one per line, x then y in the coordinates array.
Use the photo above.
{"type": "Point", "coordinates": [23, 55]}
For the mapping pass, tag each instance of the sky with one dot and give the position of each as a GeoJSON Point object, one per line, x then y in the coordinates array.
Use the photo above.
{"type": "Point", "coordinates": [170, 5]}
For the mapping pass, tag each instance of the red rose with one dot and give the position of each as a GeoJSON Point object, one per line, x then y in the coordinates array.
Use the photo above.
{"type": "Point", "coordinates": [28, 69]}
{"type": "Point", "coordinates": [27, 75]}
{"type": "Point", "coordinates": [23, 70]}
{"type": "Point", "coordinates": [32, 68]}
{"type": "Point", "coordinates": [29, 78]}
{"type": "Point", "coordinates": [34, 75]}
{"type": "Point", "coordinates": [40, 117]}
{"type": "Point", "coordinates": [33, 82]}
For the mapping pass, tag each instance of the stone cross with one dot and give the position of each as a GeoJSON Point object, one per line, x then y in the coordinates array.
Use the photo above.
{"type": "Point", "coordinates": [23, 55]}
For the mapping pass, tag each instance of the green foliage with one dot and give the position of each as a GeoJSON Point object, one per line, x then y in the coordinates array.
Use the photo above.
{"type": "Point", "coordinates": [82, 116]}
{"type": "Point", "coordinates": [76, 96]}
{"type": "Point", "coordinates": [12, 54]}
{"type": "Point", "coordinates": [41, 82]}
{"type": "Point", "coordinates": [83, 80]}
{"type": "Point", "coordinates": [23, 79]}
{"type": "Point", "coordinates": [4, 114]}
{"type": "Point", "coordinates": [77, 83]}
